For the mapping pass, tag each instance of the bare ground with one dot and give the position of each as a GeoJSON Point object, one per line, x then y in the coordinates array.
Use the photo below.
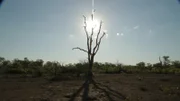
{"type": "Point", "coordinates": [105, 87]}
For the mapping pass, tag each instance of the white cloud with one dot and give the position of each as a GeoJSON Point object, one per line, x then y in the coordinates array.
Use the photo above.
{"type": "Point", "coordinates": [136, 27]}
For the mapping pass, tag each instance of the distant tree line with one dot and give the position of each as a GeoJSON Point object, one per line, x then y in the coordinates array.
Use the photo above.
{"type": "Point", "coordinates": [161, 64]}
{"type": "Point", "coordinates": [38, 67]}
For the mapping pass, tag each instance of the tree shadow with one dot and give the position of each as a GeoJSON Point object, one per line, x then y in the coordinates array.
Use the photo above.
{"type": "Point", "coordinates": [110, 94]}
{"type": "Point", "coordinates": [84, 87]}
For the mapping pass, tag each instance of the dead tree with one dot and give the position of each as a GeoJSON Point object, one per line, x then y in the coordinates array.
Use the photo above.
{"type": "Point", "coordinates": [91, 51]}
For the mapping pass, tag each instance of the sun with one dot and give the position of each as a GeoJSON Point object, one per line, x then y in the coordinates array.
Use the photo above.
{"type": "Point", "coordinates": [93, 24]}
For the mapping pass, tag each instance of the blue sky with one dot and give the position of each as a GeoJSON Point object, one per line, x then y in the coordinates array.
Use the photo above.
{"type": "Point", "coordinates": [49, 29]}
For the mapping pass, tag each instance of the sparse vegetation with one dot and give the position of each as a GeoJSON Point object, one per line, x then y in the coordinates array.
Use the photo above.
{"type": "Point", "coordinates": [144, 78]}
{"type": "Point", "coordinates": [38, 68]}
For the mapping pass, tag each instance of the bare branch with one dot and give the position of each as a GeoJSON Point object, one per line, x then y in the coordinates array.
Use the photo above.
{"type": "Point", "coordinates": [96, 48]}
{"type": "Point", "coordinates": [92, 32]}
{"type": "Point", "coordinates": [99, 31]}
{"type": "Point", "coordinates": [91, 40]}
{"type": "Point", "coordinates": [80, 49]}
{"type": "Point", "coordinates": [92, 18]}
{"type": "Point", "coordinates": [97, 39]}
{"type": "Point", "coordinates": [85, 25]}
{"type": "Point", "coordinates": [102, 37]}
{"type": "Point", "coordinates": [87, 36]}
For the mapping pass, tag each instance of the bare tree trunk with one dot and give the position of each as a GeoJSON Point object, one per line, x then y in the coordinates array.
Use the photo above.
{"type": "Point", "coordinates": [90, 74]}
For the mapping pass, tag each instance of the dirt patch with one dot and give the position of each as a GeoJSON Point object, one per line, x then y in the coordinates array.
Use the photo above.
{"type": "Point", "coordinates": [106, 87]}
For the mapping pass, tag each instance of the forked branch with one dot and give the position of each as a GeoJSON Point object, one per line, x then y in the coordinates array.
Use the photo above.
{"type": "Point", "coordinates": [87, 36]}
{"type": "Point", "coordinates": [96, 48]}
{"type": "Point", "coordinates": [99, 31]}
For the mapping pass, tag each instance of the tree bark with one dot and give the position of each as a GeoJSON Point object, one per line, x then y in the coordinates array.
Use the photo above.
{"type": "Point", "coordinates": [90, 74]}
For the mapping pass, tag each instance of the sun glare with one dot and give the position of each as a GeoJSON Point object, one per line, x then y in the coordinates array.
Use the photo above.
{"type": "Point", "coordinates": [93, 24]}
